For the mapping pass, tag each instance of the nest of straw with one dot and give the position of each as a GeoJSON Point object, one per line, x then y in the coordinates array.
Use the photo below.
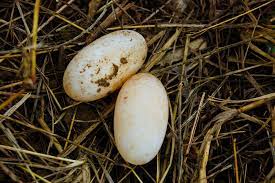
{"type": "Point", "coordinates": [221, 91]}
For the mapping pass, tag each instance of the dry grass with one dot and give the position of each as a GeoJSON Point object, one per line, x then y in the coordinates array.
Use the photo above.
{"type": "Point", "coordinates": [222, 114]}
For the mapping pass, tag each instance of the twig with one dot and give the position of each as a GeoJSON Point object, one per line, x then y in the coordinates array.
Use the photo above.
{"type": "Point", "coordinates": [158, 26]}
{"type": "Point", "coordinates": [70, 129]}
{"type": "Point", "coordinates": [236, 161]}
{"type": "Point", "coordinates": [7, 171]}
{"type": "Point", "coordinates": [39, 154]}
{"type": "Point", "coordinates": [219, 120]}
{"type": "Point", "coordinates": [9, 134]}
{"type": "Point", "coordinates": [234, 18]}
{"type": "Point", "coordinates": [36, 175]}
{"type": "Point", "coordinates": [273, 127]}
{"type": "Point", "coordinates": [194, 125]}
{"type": "Point", "coordinates": [48, 20]}
{"type": "Point", "coordinates": [157, 57]}
{"type": "Point", "coordinates": [45, 127]}
{"type": "Point", "coordinates": [183, 82]}
{"type": "Point", "coordinates": [173, 141]}
{"type": "Point", "coordinates": [11, 85]}
{"type": "Point", "coordinates": [10, 99]}
{"type": "Point", "coordinates": [34, 39]}
{"type": "Point", "coordinates": [273, 142]}
{"type": "Point", "coordinates": [108, 21]}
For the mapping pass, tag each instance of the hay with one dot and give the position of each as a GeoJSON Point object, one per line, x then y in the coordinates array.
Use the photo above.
{"type": "Point", "coordinates": [215, 58]}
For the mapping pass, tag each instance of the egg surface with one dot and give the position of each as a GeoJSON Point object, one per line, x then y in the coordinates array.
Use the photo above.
{"type": "Point", "coordinates": [140, 118]}
{"type": "Point", "coordinates": [104, 65]}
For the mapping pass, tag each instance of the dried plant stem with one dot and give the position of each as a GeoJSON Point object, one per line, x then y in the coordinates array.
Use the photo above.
{"type": "Point", "coordinates": [39, 154]}
{"type": "Point", "coordinates": [36, 175]}
{"type": "Point", "coordinates": [57, 15]}
{"type": "Point", "coordinates": [273, 127]}
{"type": "Point", "coordinates": [205, 155]}
{"type": "Point", "coordinates": [264, 54]}
{"type": "Point", "coordinates": [71, 127]}
{"type": "Point", "coordinates": [11, 85]}
{"type": "Point", "coordinates": [219, 120]}
{"type": "Point", "coordinates": [156, 37]}
{"type": "Point", "coordinates": [173, 114]}
{"type": "Point", "coordinates": [157, 57]}
{"type": "Point", "coordinates": [236, 161]}
{"type": "Point", "coordinates": [273, 142]}
{"type": "Point", "coordinates": [9, 172]}
{"type": "Point", "coordinates": [10, 99]}
{"type": "Point", "coordinates": [183, 82]}
{"type": "Point", "coordinates": [55, 141]}
{"type": "Point", "coordinates": [268, 97]}
{"type": "Point", "coordinates": [157, 26]}
{"type": "Point", "coordinates": [194, 126]}
{"type": "Point", "coordinates": [10, 135]}
{"type": "Point", "coordinates": [45, 127]}
{"type": "Point", "coordinates": [234, 18]}
{"type": "Point", "coordinates": [109, 20]}
{"type": "Point", "coordinates": [22, 17]}
{"type": "Point", "coordinates": [48, 20]}
{"type": "Point", "coordinates": [34, 39]}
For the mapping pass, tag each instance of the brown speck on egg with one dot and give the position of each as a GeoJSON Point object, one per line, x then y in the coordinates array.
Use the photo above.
{"type": "Point", "coordinates": [87, 66]}
{"type": "Point", "coordinates": [98, 90]}
{"type": "Point", "coordinates": [102, 82]}
{"type": "Point", "coordinates": [114, 73]}
{"type": "Point", "coordinates": [98, 70]}
{"type": "Point", "coordinates": [123, 60]}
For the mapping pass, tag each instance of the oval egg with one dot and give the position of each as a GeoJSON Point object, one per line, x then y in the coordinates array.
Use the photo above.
{"type": "Point", "coordinates": [104, 65]}
{"type": "Point", "coordinates": [140, 118]}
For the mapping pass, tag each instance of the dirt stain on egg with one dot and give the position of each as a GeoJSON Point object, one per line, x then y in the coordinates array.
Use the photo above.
{"type": "Point", "coordinates": [98, 70]}
{"type": "Point", "coordinates": [102, 82]}
{"type": "Point", "coordinates": [123, 60]}
{"type": "Point", "coordinates": [114, 73]}
{"type": "Point", "coordinates": [87, 66]}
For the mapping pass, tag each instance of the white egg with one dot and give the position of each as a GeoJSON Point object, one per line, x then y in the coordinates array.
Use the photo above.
{"type": "Point", "coordinates": [141, 118]}
{"type": "Point", "coordinates": [104, 65]}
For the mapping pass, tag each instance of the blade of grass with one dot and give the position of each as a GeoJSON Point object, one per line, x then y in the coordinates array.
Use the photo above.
{"type": "Point", "coordinates": [157, 57]}
{"type": "Point", "coordinates": [40, 154]}
{"type": "Point", "coordinates": [235, 161]}
{"type": "Point", "coordinates": [70, 129]}
{"type": "Point", "coordinates": [34, 39]}
{"type": "Point", "coordinates": [10, 99]}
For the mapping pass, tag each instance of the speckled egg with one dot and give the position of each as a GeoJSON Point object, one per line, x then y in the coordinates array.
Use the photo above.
{"type": "Point", "coordinates": [104, 65]}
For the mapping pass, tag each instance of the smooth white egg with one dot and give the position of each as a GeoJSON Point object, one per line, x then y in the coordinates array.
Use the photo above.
{"type": "Point", "coordinates": [104, 65]}
{"type": "Point", "coordinates": [140, 118]}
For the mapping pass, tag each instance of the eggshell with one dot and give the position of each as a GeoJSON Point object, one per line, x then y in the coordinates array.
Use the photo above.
{"type": "Point", "coordinates": [104, 65]}
{"type": "Point", "coordinates": [141, 118]}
